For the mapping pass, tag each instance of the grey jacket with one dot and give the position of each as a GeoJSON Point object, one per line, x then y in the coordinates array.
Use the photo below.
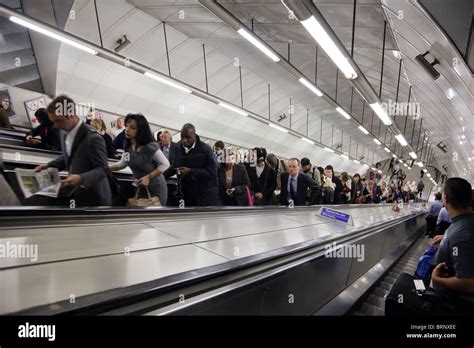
{"type": "Point", "coordinates": [88, 159]}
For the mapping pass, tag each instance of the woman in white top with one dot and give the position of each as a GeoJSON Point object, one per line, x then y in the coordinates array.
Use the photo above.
{"type": "Point", "coordinates": [144, 157]}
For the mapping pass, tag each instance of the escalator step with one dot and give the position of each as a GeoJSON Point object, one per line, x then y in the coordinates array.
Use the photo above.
{"type": "Point", "coordinates": [371, 310]}
{"type": "Point", "coordinates": [390, 280]}
{"type": "Point", "coordinates": [380, 292]}
{"type": "Point", "coordinates": [386, 286]}
{"type": "Point", "coordinates": [376, 301]}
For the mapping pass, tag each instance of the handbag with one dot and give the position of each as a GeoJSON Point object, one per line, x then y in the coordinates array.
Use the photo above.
{"type": "Point", "coordinates": [249, 196]}
{"type": "Point", "coordinates": [361, 200]}
{"type": "Point", "coordinates": [151, 201]}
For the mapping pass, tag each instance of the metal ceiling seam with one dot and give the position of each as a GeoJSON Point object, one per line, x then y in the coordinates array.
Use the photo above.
{"type": "Point", "coordinates": [213, 6]}
{"type": "Point", "coordinates": [364, 84]}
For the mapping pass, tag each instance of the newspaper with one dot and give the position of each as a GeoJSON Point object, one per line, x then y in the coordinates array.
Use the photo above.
{"type": "Point", "coordinates": [45, 183]}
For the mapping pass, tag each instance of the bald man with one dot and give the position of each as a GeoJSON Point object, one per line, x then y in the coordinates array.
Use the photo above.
{"type": "Point", "coordinates": [196, 167]}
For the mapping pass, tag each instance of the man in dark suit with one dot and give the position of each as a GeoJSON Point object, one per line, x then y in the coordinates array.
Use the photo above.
{"type": "Point", "coordinates": [295, 185]}
{"type": "Point", "coordinates": [83, 154]}
{"type": "Point", "coordinates": [197, 167]}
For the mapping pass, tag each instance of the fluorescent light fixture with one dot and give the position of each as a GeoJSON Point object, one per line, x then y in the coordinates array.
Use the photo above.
{"type": "Point", "coordinates": [259, 44]}
{"type": "Point", "coordinates": [356, 161]}
{"type": "Point", "coordinates": [426, 171]}
{"type": "Point", "coordinates": [307, 140]}
{"type": "Point", "coordinates": [52, 35]}
{"type": "Point", "coordinates": [419, 164]}
{"type": "Point", "coordinates": [363, 130]}
{"type": "Point", "coordinates": [405, 165]}
{"type": "Point", "coordinates": [377, 141]}
{"type": "Point", "coordinates": [387, 149]}
{"type": "Point", "coordinates": [343, 113]}
{"type": "Point", "coordinates": [401, 139]}
{"type": "Point", "coordinates": [233, 108]}
{"type": "Point", "coordinates": [413, 155]}
{"type": "Point", "coordinates": [167, 82]}
{"type": "Point", "coordinates": [379, 171]}
{"type": "Point", "coordinates": [328, 149]}
{"type": "Point", "coordinates": [381, 113]}
{"type": "Point", "coordinates": [329, 46]}
{"type": "Point", "coordinates": [409, 168]}
{"type": "Point", "coordinates": [450, 93]}
{"type": "Point", "coordinates": [374, 168]}
{"type": "Point", "coordinates": [311, 87]}
{"type": "Point", "coordinates": [394, 156]}
{"type": "Point", "coordinates": [281, 129]}
{"type": "Point", "coordinates": [365, 165]}
{"type": "Point", "coordinates": [345, 156]}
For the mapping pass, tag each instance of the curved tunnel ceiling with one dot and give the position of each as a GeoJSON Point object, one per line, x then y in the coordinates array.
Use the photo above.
{"type": "Point", "coordinates": [120, 90]}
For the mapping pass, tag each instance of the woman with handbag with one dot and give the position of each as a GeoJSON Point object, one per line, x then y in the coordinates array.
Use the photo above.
{"type": "Point", "coordinates": [234, 183]}
{"type": "Point", "coordinates": [144, 157]}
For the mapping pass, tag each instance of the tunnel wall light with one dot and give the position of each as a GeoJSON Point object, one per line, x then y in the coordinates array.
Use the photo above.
{"type": "Point", "coordinates": [323, 39]}
{"type": "Point", "coordinates": [387, 149]}
{"type": "Point", "coordinates": [328, 149]}
{"type": "Point", "coordinates": [52, 35]}
{"type": "Point", "coordinates": [311, 87]}
{"type": "Point", "coordinates": [233, 108]}
{"type": "Point", "coordinates": [167, 82]}
{"type": "Point", "coordinates": [281, 129]}
{"type": "Point", "coordinates": [363, 130]}
{"type": "Point", "coordinates": [259, 44]}
{"type": "Point", "coordinates": [401, 139]}
{"type": "Point", "coordinates": [380, 112]}
{"type": "Point", "coordinates": [413, 155]}
{"type": "Point", "coordinates": [308, 140]}
{"type": "Point", "coordinates": [343, 113]}
{"type": "Point", "coordinates": [377, 141]}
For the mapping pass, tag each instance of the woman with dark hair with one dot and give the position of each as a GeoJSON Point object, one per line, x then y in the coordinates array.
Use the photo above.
{"type": "Point", "coordinates": [144, 157]}
{"type": "Point", "coordinates": [357, 189]}
{"type": "Point", "coordinates": [45, 136]}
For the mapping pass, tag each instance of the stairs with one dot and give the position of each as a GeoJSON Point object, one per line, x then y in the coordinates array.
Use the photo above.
{"type": "Point", "coordinates": [374, 302]}
{"type": "Point", "coordinates": [18, 65]}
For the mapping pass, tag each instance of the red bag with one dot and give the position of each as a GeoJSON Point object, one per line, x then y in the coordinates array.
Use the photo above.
{"type": "Point", "coordinates": [361, 200]}
{"type": "Point", "coordinates": [249, 196]}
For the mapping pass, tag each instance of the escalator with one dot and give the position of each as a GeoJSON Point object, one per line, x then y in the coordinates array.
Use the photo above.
{"type": "Point", "coordinates": [206, 261]}
{"type": "Point", "coordinates": [374, 302]}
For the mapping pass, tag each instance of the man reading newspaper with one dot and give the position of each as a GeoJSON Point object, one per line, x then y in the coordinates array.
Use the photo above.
{"type": "Point", "coordinates": [84, 155]}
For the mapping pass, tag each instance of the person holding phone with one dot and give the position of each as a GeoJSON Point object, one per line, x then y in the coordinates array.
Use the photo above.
{"type": "Point", "coordinates": [233, 182]}
{"type": "Point", "coordinates": [196, 166]}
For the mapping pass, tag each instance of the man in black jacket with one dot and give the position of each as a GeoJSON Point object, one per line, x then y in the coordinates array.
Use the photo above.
{"type": "Point", "coordinates": [262, 179]}
{"type": "Point", "coordinates": [197, 167]}
{"type": "Point", "coordinates": [295, 185]}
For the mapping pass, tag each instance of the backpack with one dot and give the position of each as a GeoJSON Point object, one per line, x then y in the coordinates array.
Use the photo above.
{"type": "Point", "coordinates": [424, 267]}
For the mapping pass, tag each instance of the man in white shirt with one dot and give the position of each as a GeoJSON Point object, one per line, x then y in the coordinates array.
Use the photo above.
{"type": "Point", "coordinates": [84, 156]}
{"type": "Point", "coordinates": [119, 128]}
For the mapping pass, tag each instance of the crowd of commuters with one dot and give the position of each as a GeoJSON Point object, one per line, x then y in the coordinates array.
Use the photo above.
{"type": "Point", "coordinates": [193, 172]}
